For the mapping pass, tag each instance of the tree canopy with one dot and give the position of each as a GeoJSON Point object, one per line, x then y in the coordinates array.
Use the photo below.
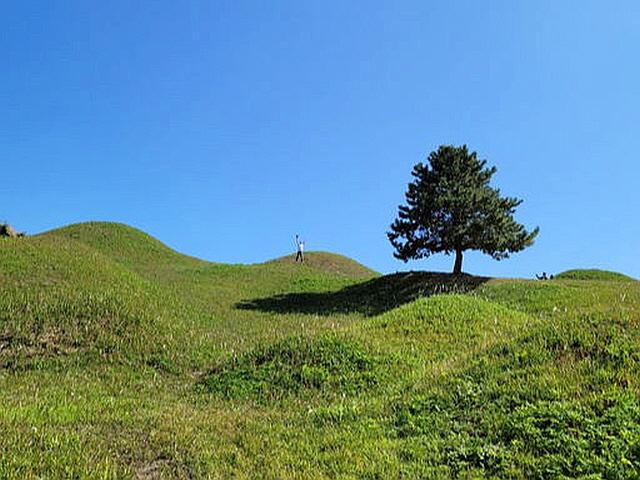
{"type": "Point", "coordinates": [450, 208]}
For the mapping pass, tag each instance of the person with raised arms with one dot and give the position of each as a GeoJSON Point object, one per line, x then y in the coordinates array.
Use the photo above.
{"type": "Point", "coordinates": [300, 249]}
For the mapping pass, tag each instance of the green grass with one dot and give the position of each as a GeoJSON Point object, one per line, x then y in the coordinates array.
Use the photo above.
{"type": "Point", "coordinates": [593, 274]}
{"type": "Point", "coordinates": [327, 362]}
{"type": "Point", "coordinates": [120, 358]}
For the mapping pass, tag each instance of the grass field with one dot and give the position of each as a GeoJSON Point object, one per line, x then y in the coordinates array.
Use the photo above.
{"type": "Point", "coordinates": [120, 358]}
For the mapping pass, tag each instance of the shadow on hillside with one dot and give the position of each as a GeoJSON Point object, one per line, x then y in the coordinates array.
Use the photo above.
{"type": "Point", "coordinates": [369, 298]}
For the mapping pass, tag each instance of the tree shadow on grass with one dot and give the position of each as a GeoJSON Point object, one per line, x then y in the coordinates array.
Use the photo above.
{"type": "Point", "coordinates": [369, 298]}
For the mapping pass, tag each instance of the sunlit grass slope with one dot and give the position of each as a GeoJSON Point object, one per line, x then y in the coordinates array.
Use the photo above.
{"type": "Point", "coordinates": [121, 358]}
{"type": "Point", "coordinates": [58, 296]}
{"type": "Point", "coordinates": [592, 274]}
{"type": "Point", "coordinates": [123, 244]}
{"type": "Point", "coordinates": [117, 290]}
{"type": "Point", "coordinates": [331, 263]}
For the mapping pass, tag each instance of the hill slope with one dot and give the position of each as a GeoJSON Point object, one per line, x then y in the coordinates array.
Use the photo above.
{"type": "Point", "coordinates": [122, 243]}
{"type": "Point", "coordinates": [121, 358]}
{"type": "Point", "coordinates": [106, 285]}
{"type": "Point", "coordinates": [331, 263]}
{"type": "Point", "coordinates": [60, 296]}
{"type": "Point", "coordinates": [593, 274]}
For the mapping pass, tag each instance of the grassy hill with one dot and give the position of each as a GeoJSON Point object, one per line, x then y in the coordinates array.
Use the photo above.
{"type": "Point", "coordinates": [331, 263]}
{"type": "Point", "coordinates": [121, 358]}
{"type": "Point", "coordinates": [593, 274]}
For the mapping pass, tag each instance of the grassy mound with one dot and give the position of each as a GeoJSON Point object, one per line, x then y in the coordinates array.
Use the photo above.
{"type": "Point", "coordinates": [59, 296]}
{"type": "Point", "coordinates": [330, 362]}
{"type": "Point", "coordinates": [564, 297]}
{"type": "Point", "coordinates": [101, 287]}
{"type": "Point", "coordinates": [122, 243]}
{"type": "Point", "coordinates": [593, 274]}
{"type": "Point", "coordinates": [448, 328]}
{"type": "Point", "coordinates": [331, 263]}
{"type": "Point", "coordinates": [559, 402]}
{"type": "Point", "coordinates": [454, 312]}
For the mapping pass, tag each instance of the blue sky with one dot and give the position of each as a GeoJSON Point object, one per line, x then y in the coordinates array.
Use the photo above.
{"type": "Point", "coordinates": [224, 128]}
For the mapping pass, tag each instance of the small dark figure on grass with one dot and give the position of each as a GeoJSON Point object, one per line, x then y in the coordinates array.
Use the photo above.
{"type": "Point", "coordinates": [7, 230]}
{"type": "Point", "coordinates": [544, 276]}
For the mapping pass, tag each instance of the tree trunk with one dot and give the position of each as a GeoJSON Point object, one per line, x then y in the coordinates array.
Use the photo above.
{"type": "Point", "coordinates": [457, 267]}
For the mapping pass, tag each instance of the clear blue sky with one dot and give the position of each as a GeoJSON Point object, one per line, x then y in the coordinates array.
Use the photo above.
{"type": "Point", "coordinates": [224, 128]}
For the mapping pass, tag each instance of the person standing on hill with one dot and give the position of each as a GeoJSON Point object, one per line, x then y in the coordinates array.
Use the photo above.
{"type": "Point", "coordinates": [300, 247]}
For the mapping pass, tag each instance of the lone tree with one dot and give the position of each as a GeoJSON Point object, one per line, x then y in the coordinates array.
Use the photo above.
{"type": "Point", "coordinates": [452, 208]}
